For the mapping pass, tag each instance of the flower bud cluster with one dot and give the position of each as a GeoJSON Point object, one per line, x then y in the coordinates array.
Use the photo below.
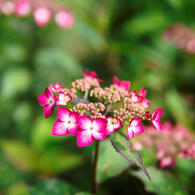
{"type": "Point", "coordinates": [95, 109]}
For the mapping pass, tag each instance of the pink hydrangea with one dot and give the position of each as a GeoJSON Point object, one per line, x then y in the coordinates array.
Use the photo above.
{"type": "Point", "coordinates": [48, 101]}
{"type": "Point", "coordinates": [134, 128]}
{"type": "Point", "coordinates": [66, 123]}
{"type": "Point", "coordinates": [112, 125]}
{"type": "Point", "coordinates": [90, 129]}
{"type": "Point", "coordinates": [93, 112]}
{"type": "Point", "coordinates": [63, 99]}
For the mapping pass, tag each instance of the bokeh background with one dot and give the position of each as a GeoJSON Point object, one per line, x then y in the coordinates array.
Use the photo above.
{"type": "Point", "coordinates": [112, 37]}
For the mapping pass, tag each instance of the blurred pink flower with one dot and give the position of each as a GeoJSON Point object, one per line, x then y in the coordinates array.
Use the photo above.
{"type": "Point", "coordinates": [167, 161]}
{"type": "Point", "coordinates": [64, 19]}
{"type": "Point", "coordinates": [23, 7]}
{"type": "Point", "coordinates": [8, 8]}
{"type": "Point", "coordinates": [42, 16]}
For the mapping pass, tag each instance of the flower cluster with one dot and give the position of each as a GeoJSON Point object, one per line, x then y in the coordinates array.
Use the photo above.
{"type": "Point", "coordinates": [91, 112]}
{"type": "Point", "coordinates": [182, 36]}
{"type": "Point", "coordinates": [171, 143]}
{"type": "Point", "coordinates": [43, 11]}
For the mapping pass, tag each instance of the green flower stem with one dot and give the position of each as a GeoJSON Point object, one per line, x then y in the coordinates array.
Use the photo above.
{"type": "Point", "coordinates": [95, 163]}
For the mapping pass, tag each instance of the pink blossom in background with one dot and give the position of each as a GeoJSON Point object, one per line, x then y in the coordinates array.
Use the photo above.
{"type": "Point", "coordinates": [90, 129]}
{"type": "Point", "coordinates": [66, 123]}
{"type": "Point", "coordinates": [167, 161]}
{"type": "Point", "coordinates": [42, 16]}
{"type": "Point", "coordinates": [134, 128]}
{"type": "Point", "coordinates": [23, 8]}
{"type": "Point", "coordinates": [8, 8]}
{"type": "Point", "coordinates": [182, 36]}
{"type": "Point", "coordinates": [173, 142]}
{"type": "Point", "coordinates": [48, 101]}
{"type": "Point", "coordinates": [112, 125]}
{"type": "Point", "coordinates": [64, 19]}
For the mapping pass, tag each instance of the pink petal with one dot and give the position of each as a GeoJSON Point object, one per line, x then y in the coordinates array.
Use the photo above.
{"type": "Point", "coordinates": [136, 122]}
{"type": "Point", "coordinates": [142, 92]}
{"type": "Point", "coordinates": [100, 124]}
{"type": "Point", "coordinates": [98, 135]}
{"type": "Point", "coordinates": [116, 81]}
{"type": "Point", "coordinates": [48, 92]}
{"type": "Point", "coordinates": [59, 129]}
{"type": "Point", "coordinates": [73, 129]}
{"type": "Point", "coordinates": [63, 99]}
{"type": "Point", "coordinates": [84, 138]}
{"type": "Point", "coordinates": [136, 126]}
{"type": "Point", "coordinates": [43, 99]}
{"type": "Point", "coordinates": [56, 87]}
{"type": "Point", "coordinates": [48, 110]}
{"type": "Point", "coordinates": [157, 125]}
{"type": "Point", "coordinates": [123, 84]}
{"type": "Point", "coordinates": [63, 114]}
{"type": "Point", "coordinates": [130, 133]}
{"type": "Point", "coordinates": [110, 128]}
{"type": "Point", "coordinates": [91, 74]}
{"type": "Point", "coordinates": [85, 122]}
{"type": "Point", "coordinates": [157, 114]}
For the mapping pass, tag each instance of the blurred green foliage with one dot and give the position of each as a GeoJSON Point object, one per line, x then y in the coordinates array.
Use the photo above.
{"type": "Point", "coordinates": [122, 38]}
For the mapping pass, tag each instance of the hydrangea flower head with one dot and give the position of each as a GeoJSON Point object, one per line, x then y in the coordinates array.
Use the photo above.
{"type": "Point", "coordinates": [89, 111]}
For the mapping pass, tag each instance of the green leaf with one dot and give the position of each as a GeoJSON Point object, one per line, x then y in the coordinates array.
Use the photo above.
{"type": "Point", "coordinates": [178, 107]}
{"type": "Point", "coordinates": [162, 182]}
{"type": "Point", "coordinates": [12, 174]}
{"type": "Point", "coordinates": [55, 162]}
{"type": "Point", "coordinates": [123, 146]}
{"type": "Point", "coordinates": [18, 188]}
{"type": "Point", "coordinates": [15, 81]}
{"type": "Point", "coordinates": [83, 193]}
{"type": "Point", "coordinates": [52, 187]}
{"type": "Point", "coordinates": [20, 155]}
{"type": "Point", "coordinates": [110, 163]}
